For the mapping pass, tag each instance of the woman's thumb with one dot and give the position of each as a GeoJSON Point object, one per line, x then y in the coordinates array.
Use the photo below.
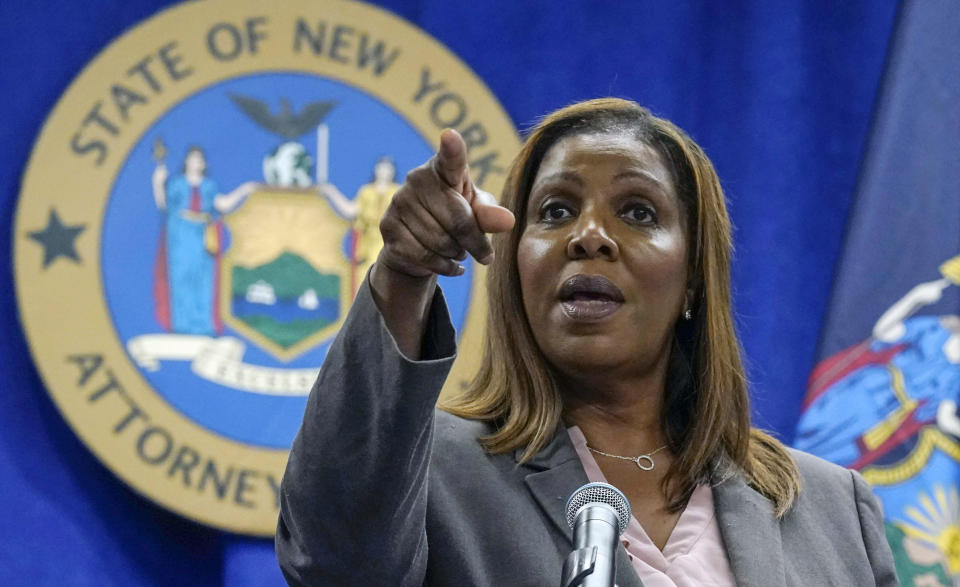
{"type": "Point", "coordinates": [491, 217]}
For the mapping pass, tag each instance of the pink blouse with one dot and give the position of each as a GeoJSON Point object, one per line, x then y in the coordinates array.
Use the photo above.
{"type": "Point", "coordinates": [694, 554]}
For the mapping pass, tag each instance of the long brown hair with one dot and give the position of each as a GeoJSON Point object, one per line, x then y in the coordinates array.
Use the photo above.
{"type": "Point", "coordinates": [706, 413]}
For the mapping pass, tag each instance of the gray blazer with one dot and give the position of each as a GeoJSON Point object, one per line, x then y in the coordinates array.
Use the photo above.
{"type": "Point", "coordinates": [381, 489]}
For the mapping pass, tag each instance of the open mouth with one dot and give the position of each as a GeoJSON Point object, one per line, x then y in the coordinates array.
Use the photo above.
{"type": "Point", "coordinates": [589, 297]}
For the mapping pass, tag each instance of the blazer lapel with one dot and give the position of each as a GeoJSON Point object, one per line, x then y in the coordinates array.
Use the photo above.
{"type": "Point", "coordinates": [557, 472]}
{"type": "Point", "coordinates": [751, 533]}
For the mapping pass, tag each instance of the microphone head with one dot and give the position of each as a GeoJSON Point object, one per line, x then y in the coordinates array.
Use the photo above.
{"type": "Point", "coordinates": [604, 493]}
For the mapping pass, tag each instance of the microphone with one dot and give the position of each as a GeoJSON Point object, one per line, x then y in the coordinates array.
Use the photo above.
{"type": "Point", "coordinates": [598, 513]}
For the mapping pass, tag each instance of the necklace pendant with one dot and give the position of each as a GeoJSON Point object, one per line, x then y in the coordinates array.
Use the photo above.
{"type": "Point", "coordinates": [644, 462]}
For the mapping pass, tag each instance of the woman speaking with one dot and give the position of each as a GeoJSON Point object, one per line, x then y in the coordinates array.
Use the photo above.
{"type": "Point", "coordinates": [610, 356]}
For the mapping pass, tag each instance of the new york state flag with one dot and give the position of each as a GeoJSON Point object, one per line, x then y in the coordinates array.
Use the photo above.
{"type": "Point", "coordinates": [884, 397]}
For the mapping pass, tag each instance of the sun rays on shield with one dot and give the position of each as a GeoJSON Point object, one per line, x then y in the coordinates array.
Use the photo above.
{"type": "Point", "coordinates": [937, 522]}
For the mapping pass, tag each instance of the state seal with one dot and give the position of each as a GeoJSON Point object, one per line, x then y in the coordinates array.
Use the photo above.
{"type": "Point", "coordinates": [196, 216]}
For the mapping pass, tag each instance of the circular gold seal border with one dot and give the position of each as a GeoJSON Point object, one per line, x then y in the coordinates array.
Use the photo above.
{"type": "Point", "coordinates": [81, 148]}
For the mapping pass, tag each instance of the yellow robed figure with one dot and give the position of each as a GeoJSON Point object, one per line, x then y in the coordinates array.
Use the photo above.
{"type": "Point", "coordinates": [364, 212]}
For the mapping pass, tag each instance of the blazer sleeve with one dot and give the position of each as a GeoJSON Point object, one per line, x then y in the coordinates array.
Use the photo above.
{"type": "Point", "coordinates": [353, 498]}
{"type": "Point", "coordinates": [874, 533]}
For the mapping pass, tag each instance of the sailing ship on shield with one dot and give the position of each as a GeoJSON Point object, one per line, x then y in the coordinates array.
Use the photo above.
{"type": "Point", "coordinates": [267, 259]}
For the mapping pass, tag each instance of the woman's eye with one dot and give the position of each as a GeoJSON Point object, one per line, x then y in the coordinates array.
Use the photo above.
{"type": "Point", "coordinates": [641, 214]}
{"type": "Point", "coordinates": [556, 211]}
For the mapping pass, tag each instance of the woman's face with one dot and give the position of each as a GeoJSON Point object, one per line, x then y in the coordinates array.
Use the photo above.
{"type": "Point", "coordinates": [384, 171]}
{"type": "Point", "coordinates": [603, 256]}
{"type": "Point", "coordinates": [195, 162]}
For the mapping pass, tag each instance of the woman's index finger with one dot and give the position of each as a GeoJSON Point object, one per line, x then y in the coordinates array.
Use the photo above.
{"type": "Point", "coordinates": [451, 160]}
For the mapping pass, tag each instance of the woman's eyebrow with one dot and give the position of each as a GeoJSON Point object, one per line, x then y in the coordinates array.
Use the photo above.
{"type": "Point", "coordinates": [566, 175]}
{"type": "Point", "coordinates": [640, 174]}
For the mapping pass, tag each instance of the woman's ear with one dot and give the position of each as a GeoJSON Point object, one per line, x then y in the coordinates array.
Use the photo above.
{"type": "Point", "coordinates": [688, 301]}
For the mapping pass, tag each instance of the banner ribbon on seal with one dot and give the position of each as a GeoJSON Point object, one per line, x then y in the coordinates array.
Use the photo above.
{"type": "Point", "coordinates": [219, 360]}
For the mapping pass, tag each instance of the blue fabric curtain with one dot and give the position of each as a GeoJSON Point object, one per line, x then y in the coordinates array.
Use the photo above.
{"type": "Point", "coordinates": [780, 95]}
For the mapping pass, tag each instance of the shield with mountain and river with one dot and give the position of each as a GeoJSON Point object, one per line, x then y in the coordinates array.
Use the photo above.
{"type": "Point", "coordinates": [286, 284]}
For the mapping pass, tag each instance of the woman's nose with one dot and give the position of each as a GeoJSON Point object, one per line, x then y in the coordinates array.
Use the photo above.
{"type": "Point", "coordinates": [590, 240]}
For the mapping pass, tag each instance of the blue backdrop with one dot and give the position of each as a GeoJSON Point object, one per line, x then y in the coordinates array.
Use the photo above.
{"type": "Point", "coordinates": [780, 94]}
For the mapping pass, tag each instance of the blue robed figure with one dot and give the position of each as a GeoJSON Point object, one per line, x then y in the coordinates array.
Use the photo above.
{"type": "Point", "coordinates": [186, 284]}
{"type": "Point", "coordinates": [868, 400]}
